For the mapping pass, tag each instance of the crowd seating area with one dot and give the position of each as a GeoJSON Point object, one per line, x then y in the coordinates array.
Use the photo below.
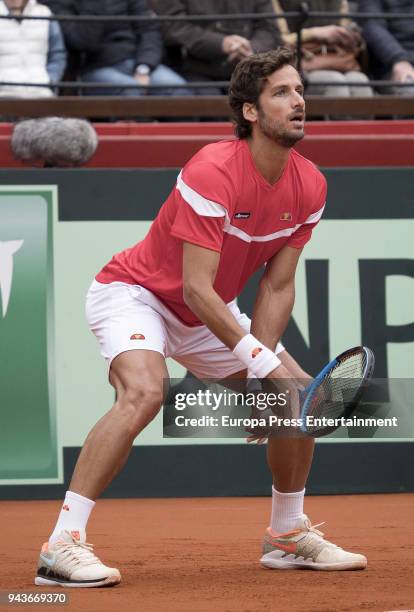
{"type": "Point", "coordinates": [163, 60]}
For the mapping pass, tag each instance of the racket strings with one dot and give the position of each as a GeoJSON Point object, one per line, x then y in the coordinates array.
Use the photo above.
{"type": "Point", "coordinates": [352, 366]}
{"type": "Point", "coordinates": [338, 389]}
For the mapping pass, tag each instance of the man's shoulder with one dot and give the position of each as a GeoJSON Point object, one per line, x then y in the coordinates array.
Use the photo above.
{"type": "Point", "coordinates": [218, 153]}
{"type": "Point", "coordinates": [304, 164]}
{"type": "Point", "coordinates": [218, 159]}
{"type": "Point", "coordinates": [311, 182]}
{"type": "Point", "coordinates": [307, 168]}
{"type": "Point", "coordinates": [212, 174]}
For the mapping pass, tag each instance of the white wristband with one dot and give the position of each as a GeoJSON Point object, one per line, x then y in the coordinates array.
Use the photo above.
{"type": "Point", "coordinates": [259, 359]}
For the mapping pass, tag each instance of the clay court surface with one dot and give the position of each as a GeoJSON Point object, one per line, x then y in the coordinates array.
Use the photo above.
{"type": "Point", "coordinates": [202, 554]}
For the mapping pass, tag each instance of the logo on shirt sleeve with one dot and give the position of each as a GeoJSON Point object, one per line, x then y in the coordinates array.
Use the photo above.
{"type": "Point", "coordinates": [242, 215]}
{"type": "Point", "coordinates": [286, 216]}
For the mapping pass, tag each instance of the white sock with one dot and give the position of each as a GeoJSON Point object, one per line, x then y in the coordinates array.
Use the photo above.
{"type": "Point", "coordinates": [74, 514]}
{"type": "Point", "coordinates": [287, 509]}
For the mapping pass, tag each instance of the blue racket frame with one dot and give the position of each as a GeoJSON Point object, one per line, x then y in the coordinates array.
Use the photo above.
{"type": "Point", "coordinates": [309, 392]}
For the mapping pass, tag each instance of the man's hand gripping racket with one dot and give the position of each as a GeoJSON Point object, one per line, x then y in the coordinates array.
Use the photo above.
{"type": "Point", "coordinates": [334, 393]}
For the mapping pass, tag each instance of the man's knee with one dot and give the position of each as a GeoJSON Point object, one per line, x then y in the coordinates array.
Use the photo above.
{"type": "Point", "coordinates": [359, 77]}
{"type": "Point", "coordinates": [327, 76]}
{"type": "Point", "coordinates": [331, 83]}
{"type": "Point", "coordinates": [335, 77]}
{"type": "Point", "coordinates": [140, 402]}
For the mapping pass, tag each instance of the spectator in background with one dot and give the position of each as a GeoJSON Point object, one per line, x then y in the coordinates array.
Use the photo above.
{"type": "Point", "coordinates": [209, 50]}
{"type": "Point", "coordinates": [30, 51]}
{"type": "Point", "coordinates": [391, 43]}
{"type": "Point", "coordinates": [331, 48]}
{"type": "Point", "coordinates": [121, 53]}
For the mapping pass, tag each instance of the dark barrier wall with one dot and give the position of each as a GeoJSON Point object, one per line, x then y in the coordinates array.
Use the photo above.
{"type": "Point", "coordinates": [372, 199]}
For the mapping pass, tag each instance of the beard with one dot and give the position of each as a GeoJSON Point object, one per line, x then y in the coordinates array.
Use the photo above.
{"type": "Point", "coordinates": [276, 131]}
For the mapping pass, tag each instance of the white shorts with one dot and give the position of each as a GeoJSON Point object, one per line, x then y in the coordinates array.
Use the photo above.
{"type": "Point", "coordinates": [129, 317]}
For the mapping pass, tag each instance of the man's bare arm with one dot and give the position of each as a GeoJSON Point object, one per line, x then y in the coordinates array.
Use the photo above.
{"type": "Point", "coordinates": [275, 297]}
{"type": "Point", "coordinates": [274, 303]}
{"type": "Point", "coordinates": [199, 272]}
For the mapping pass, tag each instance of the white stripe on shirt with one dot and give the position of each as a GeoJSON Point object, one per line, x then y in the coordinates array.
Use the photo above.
{"type": "Point", "coordinates": [207, 208]}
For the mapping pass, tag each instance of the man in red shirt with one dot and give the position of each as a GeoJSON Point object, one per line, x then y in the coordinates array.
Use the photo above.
{"type": "Point", "coordinates": [236, 205]}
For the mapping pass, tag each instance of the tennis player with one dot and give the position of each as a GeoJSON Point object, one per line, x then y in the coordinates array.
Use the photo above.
{"type": "Point", "coordinates": [236, 205]}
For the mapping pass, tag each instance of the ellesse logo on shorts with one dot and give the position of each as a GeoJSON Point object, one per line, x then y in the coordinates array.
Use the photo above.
{"type": "Point", "coordinates": [137, 337]}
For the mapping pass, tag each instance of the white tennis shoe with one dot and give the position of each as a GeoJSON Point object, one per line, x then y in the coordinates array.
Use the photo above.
{"type": "Point", "coordinates": [70, 562]}
{"type": "Point", "coordinates": [306, 548]}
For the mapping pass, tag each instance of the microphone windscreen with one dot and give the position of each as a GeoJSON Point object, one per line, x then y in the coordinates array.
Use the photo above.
{"type": "Point", "coordinates": [54, 141]}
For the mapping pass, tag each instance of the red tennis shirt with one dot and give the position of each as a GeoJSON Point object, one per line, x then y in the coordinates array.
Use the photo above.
{"type": "Point", "coordinates": [222, 202]}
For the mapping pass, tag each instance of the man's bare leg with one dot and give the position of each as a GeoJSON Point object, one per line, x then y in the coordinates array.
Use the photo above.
{"type": "Point", "coordinates": [138, 378]}
{"type": "Point", "coordinates": [289, 460]}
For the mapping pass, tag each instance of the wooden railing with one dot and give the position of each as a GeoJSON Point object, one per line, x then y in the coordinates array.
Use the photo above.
{"type": "Point", "coordinates": [188, 106]}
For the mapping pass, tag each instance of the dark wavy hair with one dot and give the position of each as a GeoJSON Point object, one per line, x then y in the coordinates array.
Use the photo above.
{"type": "Point", "coordinates": [248, 80]}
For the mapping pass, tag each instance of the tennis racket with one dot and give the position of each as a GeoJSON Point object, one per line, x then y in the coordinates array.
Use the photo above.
{"type": "Point", "coordinates": [336, 391]}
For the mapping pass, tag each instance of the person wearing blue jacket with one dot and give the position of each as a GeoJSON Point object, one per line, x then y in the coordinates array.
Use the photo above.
{"type": "Point", "coordinates": [122, 53]}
